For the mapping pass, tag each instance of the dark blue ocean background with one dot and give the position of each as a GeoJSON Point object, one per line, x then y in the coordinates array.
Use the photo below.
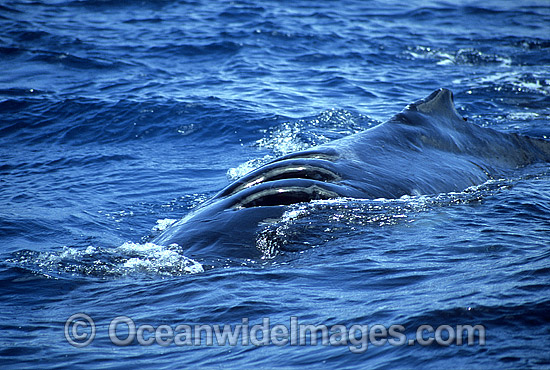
{"type": "Point", "coordinates": [119, 116]}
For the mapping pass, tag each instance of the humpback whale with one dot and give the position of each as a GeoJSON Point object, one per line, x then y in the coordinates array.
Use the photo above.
{"type": "Point", "coordinates": [428, 148]}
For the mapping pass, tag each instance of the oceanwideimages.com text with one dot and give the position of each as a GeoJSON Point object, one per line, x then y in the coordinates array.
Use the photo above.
{"type": "Point", "coordinates": [80, 331]}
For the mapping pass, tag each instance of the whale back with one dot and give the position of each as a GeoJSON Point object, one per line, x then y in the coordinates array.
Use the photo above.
{"type": "Point", "coordinates": [428, 148]}
{"type": "Point", "coordinates": [445, 129]}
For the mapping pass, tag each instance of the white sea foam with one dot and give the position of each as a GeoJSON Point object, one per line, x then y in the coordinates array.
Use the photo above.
{"type": "Point", "coordinates": [158, 259]}
{"type": "Point", "coordinates": [163, 224]}
{"type": "Point", "coordinates": [517, 81]}
{"type": "Point", "coordinates": [128, 259]}
{"type": "Point", "coordinates": [246, 167]}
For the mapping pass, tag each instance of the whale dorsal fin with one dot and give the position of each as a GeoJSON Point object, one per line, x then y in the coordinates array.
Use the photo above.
{"type": "Point", "coordinates": [440, 103]}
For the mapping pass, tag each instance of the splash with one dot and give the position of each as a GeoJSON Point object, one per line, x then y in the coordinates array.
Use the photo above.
{"type": "Point", "coordinates": [329, 125]}
{"type": "Point", "coordinates": [290, 137]}
{"type": "Point", "coordinates": [152, 258]}
{"type": "Point", "coordinates": [308, 225]}
{"type": "Point", "coordinates": [163, 224]}
{"type": "Point", "coordinates": [129, 259]}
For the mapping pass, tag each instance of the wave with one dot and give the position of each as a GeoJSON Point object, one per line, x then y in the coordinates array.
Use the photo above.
{"type": "Point", "coordinates": [467, 56]}
{"type": "Point", "coordinates": [79, 121]}
{"type": "Point", "coordinates": [194, 51]}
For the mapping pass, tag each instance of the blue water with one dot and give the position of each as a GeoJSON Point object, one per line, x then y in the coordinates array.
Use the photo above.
{"type": "Point", "coordinates": [117, 117]}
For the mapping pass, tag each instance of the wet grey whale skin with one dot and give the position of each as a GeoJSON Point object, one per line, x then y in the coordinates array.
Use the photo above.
{"type": "Point", "coordinates": [428, 148]}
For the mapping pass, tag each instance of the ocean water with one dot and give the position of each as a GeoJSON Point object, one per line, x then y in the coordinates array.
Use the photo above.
{"type": "Point", "coordinates": [118, 117]}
